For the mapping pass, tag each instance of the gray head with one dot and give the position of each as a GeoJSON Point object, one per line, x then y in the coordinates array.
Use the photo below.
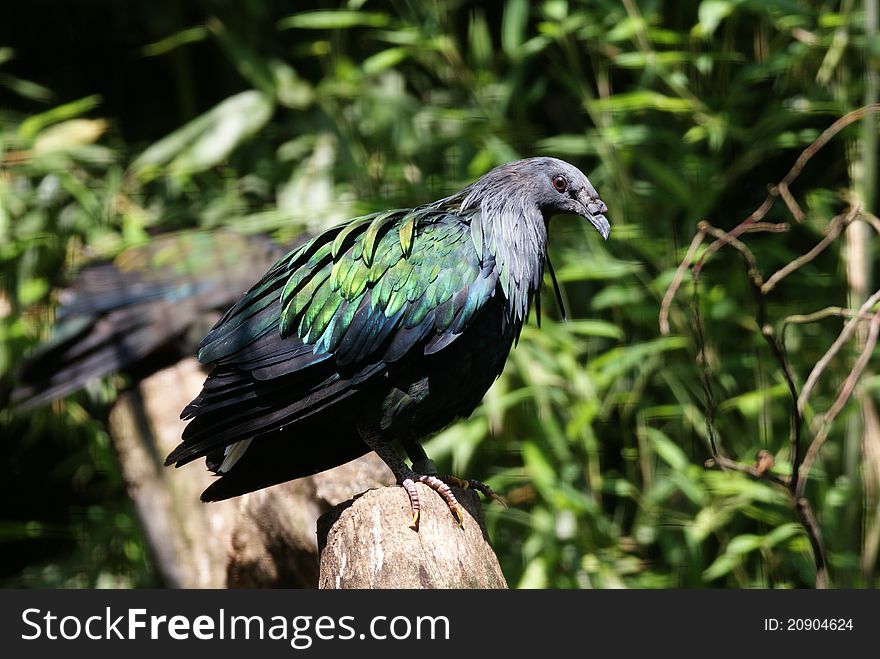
{"type": "Point", "coordinates": [553, 185]}
{"type": "Point", "coordinates": [509, 208]}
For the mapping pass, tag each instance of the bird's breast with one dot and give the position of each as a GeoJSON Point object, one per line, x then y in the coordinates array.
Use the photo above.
{"type": "Point", "coordinates": [429, 393]}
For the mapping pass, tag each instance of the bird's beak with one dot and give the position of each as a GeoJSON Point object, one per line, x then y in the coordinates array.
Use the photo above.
{"type": "Point", "coordinates": [594, 210]}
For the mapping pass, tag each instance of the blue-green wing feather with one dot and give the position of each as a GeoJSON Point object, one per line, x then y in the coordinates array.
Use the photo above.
{"type": "Point", "coordinates": [394, 284]}
{"type": "Point", "coordinates": [331, 316]}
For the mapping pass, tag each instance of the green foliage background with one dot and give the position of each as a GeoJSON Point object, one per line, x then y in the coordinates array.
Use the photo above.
{"type": "Point", "coordinates": [121, 120]}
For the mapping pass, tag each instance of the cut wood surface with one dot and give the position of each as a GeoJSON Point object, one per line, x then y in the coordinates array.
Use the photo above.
{"type": "Point", "coordinates": [367, 542]}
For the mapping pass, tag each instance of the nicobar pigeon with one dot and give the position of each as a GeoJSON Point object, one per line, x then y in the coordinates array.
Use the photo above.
{"type": "Point", "coordinates": [377, 333]}
{"type": "Point", "coordinates": [145, 309]}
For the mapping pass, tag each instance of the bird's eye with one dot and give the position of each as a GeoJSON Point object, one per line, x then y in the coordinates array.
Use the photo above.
{"type": "Point", "coordinates": [559, 183]}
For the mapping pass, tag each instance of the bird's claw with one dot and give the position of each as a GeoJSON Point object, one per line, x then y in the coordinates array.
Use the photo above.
{"type": "Point", "coordinates": [471, 484]}
{"type": "Point", "coordinates": [439, 486]}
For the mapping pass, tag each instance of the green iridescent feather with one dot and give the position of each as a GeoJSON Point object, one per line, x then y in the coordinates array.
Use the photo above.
{"type": "Point", "coordinates": [409, 262]}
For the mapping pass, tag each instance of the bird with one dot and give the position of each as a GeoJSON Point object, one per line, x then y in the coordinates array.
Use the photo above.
{"type": "Point", "coordinates": [377, 333]}
{"type": "Point", "coordinates": [144, 309]}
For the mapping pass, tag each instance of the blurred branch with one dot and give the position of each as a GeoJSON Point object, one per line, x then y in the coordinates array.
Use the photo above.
{"type": "Point", "coordinates": [821, 314]}
{"type": "Point", "coordinates": [761, 469]}
{"type": "Point", "coordinates": [705, 375]}
{"type": "Point", "coordinates": [848, 329]}
{"type": "Point", "coordinates": [781, 189]}
{"type": "Point", "coordinates": [699, 237]}
{"type": "Point", "coordinates": [796, 483]}
{"type": "Point", "coordinates": [793, 207]}
{"type": "Point", "coordinates": [763, 460]}
{"type": "Point", "coordinates": [846, 391]}
{"type": "Point", "coordinates": [832, 231]}
{"type": "Point", "coordinates": [754, 275]}
{"type": "Point", "coordinates": [800, 470]}
{"type": "Point", "coordinates": [676, 280]}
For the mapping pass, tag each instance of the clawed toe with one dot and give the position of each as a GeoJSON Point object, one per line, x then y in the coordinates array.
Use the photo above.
{"type": "Point", "coordinates": [471, 484]}
{"type": "Point", "coordinates": [441, 485]}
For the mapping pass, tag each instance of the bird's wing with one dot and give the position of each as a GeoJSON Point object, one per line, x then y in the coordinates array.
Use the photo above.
{"type": "Point", "coordinates": [330, 317]}
{"type": "Point", "coordinates": [116, 314]}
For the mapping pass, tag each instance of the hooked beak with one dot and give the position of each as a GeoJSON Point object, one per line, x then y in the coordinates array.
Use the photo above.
{"type": "Point", "coordinates": [594, 210]}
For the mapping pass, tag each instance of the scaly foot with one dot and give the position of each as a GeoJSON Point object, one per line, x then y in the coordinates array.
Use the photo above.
{"type": "Point", "coordinates": [441, 485]}
{"type": "Point", "coordinates": [436, 484]}
{"type": "Point", "coordinates": [422, 471]}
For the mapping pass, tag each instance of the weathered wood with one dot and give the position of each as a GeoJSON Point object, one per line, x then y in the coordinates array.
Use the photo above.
{"type": "Point", "coordinates": [273, 542]}
{"type": "Point", "coordinates": [263, 539]}
{"type": "Point", "coordinates": [186, 537]}
{"type": "Point", "coordinates": [367, 542]}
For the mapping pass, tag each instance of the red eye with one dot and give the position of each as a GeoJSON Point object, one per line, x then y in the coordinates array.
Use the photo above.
{"type": "Point", "coordinates": [559, 183]}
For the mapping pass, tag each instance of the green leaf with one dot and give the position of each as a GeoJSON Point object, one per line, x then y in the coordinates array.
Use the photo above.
{"type": "Point", "coordinates": [534, 575]}
{"type": "Point", "coordinates": [642, 60]}
{"type": "Point", "coordinates": [176, 40]}
{"type": "Point", "coordinates": [614, 362]}
{"type": "Point", "coordinates": [711, 13]}
{"type": "Point", "coordinates": [68, 135]}
{"type": "Point", "coordinates": [540, 470]}
{"type": "Point", "coordinates": [31, 290]}
{"type": "Point", "coordinates": [752, 402]}
{"type": "Point", "coordinates": [383, 60]}
{"type": "Point", "coordinates": [480, 40]}
{"type": "Point", "coordinates": [333, 20]}
{"type": "Point", "coordinates": [26, 88]}
{"type": "Point", "coordinates": [598, 266]}
{"type": "Point", "coordinates": [782, 533]}
{"type": "Point", "coordinates": [31, 126]}
{"type": "Point", "coordinates": [251, 66]}
{"type": "Point", "coordinates": [271, 76]}
{"type": "Point", "coordinates": [743, 544]}
{"type": "Point", "coordinates": [513, 26]}
{"type": "Point", "coordinates": [208, 139]}
{"type": "Point", "coordinates": [668, 450]}
{"type": "Point", "coordinates": [720, 567]}
{"type": "Point", "coordinates": [640, 100]}
{"type": "Point", "coordinates": [600, 328]}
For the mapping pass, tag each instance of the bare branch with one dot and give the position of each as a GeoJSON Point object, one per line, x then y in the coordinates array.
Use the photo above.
{"type": "Point", "coordinates": [751, 262]}
{"type": "Point", "coordinates": [843, 396]}
{"type": "Point", "coordinates": [768, 227]}
{"type": "Point", "coordinates": [793, 207]}
{"type": "Point", "coordinates": [675, 284]}
{"type": "Point", "coordinates": [825, 137]}
{"type": "Point", "coordinates": [761, 468]}
{"type": "Point", "coordinates": [705, 372]}
{"type": "Point", "coordinates": [800, 504]}
{"type": "Point", "coordinates": [754, 222]}
{"type": "Point", "coordinates": [848, 329]}
{"type": "Point", "coordinates": [814, 533]}
{"type": "Point", "coordinates": [821, 314]}
{"type": "Point", "coordinates": [750, 223]}
{"type": "Point", "coordinates": [783, 186]}
{"type": "Point", "coordinates": [871, 219]}
{"type": "Point", "coordinates": [757, 215]}
{"type": "Point", "coordinates": [832, 231]}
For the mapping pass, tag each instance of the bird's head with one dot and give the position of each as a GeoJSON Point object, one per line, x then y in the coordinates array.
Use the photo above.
{"type": "Point", "coordinates": [559, 187]}
{"type": "Point", "coordinates": [552, 185]}
{"type": "Point", "coordinates": [515, 202]}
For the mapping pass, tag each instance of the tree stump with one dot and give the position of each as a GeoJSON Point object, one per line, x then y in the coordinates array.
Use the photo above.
{"type": "Point", "coordinates": [366, 542]}
{"type": "Point", "coordinates": [262, 539]}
